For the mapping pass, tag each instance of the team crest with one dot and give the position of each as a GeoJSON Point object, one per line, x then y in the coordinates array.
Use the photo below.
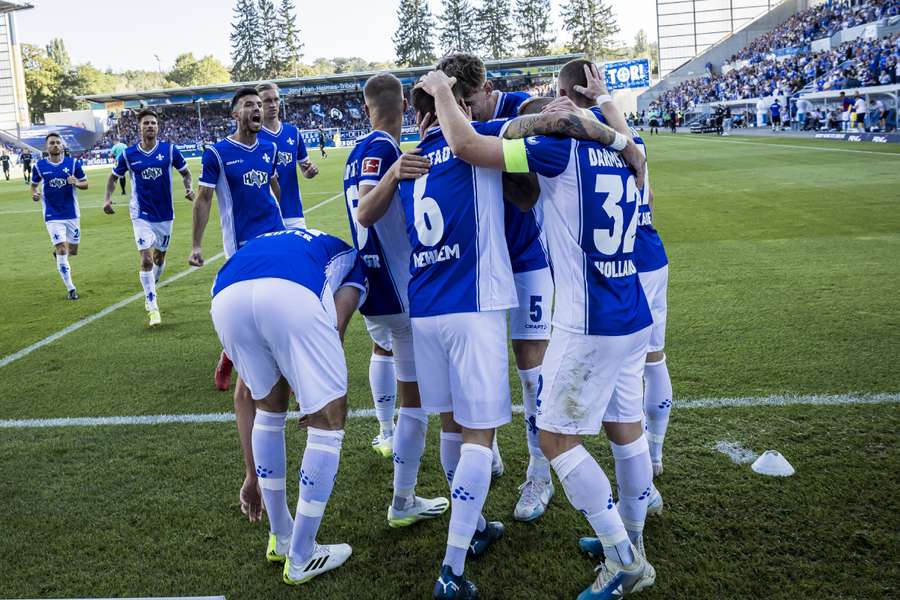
{"type": "Point", "coordinates": [371, 166]}
{"type": "Point", "coordinates": [266, 157]}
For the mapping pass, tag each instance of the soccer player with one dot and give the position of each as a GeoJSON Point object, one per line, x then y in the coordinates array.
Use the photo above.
{"type": "Point", "coordinates": [775, 113]}
{"type": "Point", "coordinates": [591, 375]}
{"type": "Point", "coordinates": [242, 171]}
{"type": "Point", "coordinates": [117, 150]}
{"type": "Point", "coordinates": [374, 169]}
{"type": "Point", "coordinates": [322, 143]}
{"type": "Point", "coordinates": [151, 162]}
{"type": "Point", "coordinates": [291, 154]}
{"type": "Point", "coordinates": [58, 177]}
{"type": "Point", "coordinates": [25, 159]}
{"type": "Point", "coordinates": [460, 288]}
{"type": "Point", "coordinates": [4, 161]}
{"type": "Point", "coordinates": [280, 307]}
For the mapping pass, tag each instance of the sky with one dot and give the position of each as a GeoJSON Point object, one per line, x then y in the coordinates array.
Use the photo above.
{"type": "Point", "coordinates": [123, 36]}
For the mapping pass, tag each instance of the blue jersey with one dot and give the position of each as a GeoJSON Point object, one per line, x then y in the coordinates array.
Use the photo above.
{"type": "Point", "coordinates": [523, 235]}
{"type": "Point", "coordinates": [240, 175]}
{"type": "Point", "coordinates": [454, 220]}
{"type": "Point", "coordinates": [319, 262]}
{"type": "Point", "coordinates": [291, 152]}
{"type": "Point", "coordinates": [649, 253]}
{"type": "Point", "coordinates": [151, 179]}
{"type": "Point", "coordinates": [59, 198]}
{"type": "Point", "coordinates": [775, 109]}
{"type": "Point", "coordinates": [384, 247]}
{"type": "Point", "coordinates": [590, 203]}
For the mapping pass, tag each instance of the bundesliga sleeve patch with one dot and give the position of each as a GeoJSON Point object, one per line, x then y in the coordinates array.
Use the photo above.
{"type": "Point", "coordinates": [371, 166]}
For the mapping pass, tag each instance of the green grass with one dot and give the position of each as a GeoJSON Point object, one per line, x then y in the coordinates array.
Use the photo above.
{"type": "Point", "coordinates": [785, 279]}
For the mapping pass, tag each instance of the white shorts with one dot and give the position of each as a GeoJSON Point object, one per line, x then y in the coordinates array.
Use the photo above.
{"type": "Point", "coordinates": [272, 327]}
{"type": "Point", "coordinates": [295, 223]}
{"type": "Point", "coordinates": [394, 334]}
{"type": "Point", "coordinates": [148, 234]}
{"type": "Point", "coordinates": [68, 231]}
{"type": "Point", "coordinates": [462, 363]}
{"type": "Point", "coordinates": [531, 320]}
{"type": "Point", "coordinates": [588, 379]}
{"type": "Point", "coordinates": [656, 285]}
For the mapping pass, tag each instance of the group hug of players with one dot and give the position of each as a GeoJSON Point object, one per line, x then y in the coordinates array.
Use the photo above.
{"type": "Point", "coordinates": [509, 209]}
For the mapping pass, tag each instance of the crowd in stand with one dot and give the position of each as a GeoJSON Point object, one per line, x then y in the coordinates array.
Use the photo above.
{"type": "Point", "coordinates": [765, 68]}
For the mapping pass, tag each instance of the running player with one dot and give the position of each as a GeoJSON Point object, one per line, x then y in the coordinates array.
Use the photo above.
{"type": "Point", "coordinates": [117, 150]}
{"type": "Point", "coordinates": [242, 171]}
{"type": "Point", "coordinates": [601, 324]}
{"type": "Point", "coordinates": [460, 287]}
{"type": "Point", "coordinates": [291, 154]}
{"type": "Point", "coordinates": [4, 161]}
{"type": "Point", "coordinates": [280, 306]}
{"type": "Point", "coordinates": [151, 162]}
{"type": "Point", "coordinates": [26, 159]}
{"type": "Point", "coordinates": [58, 177]}
{"type": "Point", "coordinates": [374, 169]}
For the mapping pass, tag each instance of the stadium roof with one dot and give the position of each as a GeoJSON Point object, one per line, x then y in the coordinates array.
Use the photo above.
{"type": "Point", "coordinates": [509, 67]}
{"type": "Point", "coordinates": [9, 6]}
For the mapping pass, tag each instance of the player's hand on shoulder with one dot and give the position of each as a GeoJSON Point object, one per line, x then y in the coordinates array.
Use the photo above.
{"type": "Point", "coordinates": [560, 104]}
{"type": "Point", "coordinates": [411, 166]}
{"type": "Point", "coordinates": [196, 258]}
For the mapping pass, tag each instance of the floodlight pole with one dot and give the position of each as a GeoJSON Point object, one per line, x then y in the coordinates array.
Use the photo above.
{"type": "Point", "coordinates": [199, 121]}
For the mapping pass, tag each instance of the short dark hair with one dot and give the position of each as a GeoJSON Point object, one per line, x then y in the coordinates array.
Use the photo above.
{"type": "Point", "coordinates": [468, 69]}
{"type": "Point", "coordinates": [52, 134]}
{"type": "Point", "coordinates": [423, 102]}
{"type": "Point", "coordinates": [572, 74]}
{"type": "Point", "coordinates": [241, 93]}
{"type": "Point", "coordinates": [147, 112]}
{"type": "Point", "coordinates": [384, 94]}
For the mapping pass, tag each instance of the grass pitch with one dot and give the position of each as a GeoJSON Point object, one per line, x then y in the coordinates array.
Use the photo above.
{"type": "Point", "coordinates": [784, 279]}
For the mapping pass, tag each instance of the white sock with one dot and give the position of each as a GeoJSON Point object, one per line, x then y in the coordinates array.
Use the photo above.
{"type": "Point", "coordinates": [588, 490]}
{"type": "Point", "coordinates": [158, 271]}
{"type": "Point", "coordinates": [149, 286]}
{"type": "Point", "coordinates": [657, 405]}
{"type": "Point", "coordinates": [271, 466]}
{"type": "Point", "coordinates": [65, 271]}
{"type": "Point", "coordinates": [317, 474]}
{"type": "Point", "coordinates": [383, 382]}
{"type": "Point", "coordinates": [538, 465]}
{"type": "Point", "coordinates": [451, 443]}
{"type": "Point", "coordinates": [409, 443]}
{"type": "Point", "coordinates": [470, 486]}
{"type": "Point", "coordinates": [634, 478]}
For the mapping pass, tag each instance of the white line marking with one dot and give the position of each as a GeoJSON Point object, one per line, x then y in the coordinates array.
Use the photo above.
{"type": "Point", "coordinates": [114, 307]}
{"type": "Point", "coordinates": [704, 403]}
{"type": "Point", "coordinates": [821, 149]}
{"type": "Point", "coordinates": [736, 452]}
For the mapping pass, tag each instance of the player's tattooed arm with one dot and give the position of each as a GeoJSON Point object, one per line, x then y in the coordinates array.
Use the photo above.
{"type": "Point", "coordinates": [107, 194]}
{"type": "Point", "coordinates": [568, 124]}
{"type": "Point", "coordinates": [200, 217]}
{"type": "Point", "coordinates": [188, 181]}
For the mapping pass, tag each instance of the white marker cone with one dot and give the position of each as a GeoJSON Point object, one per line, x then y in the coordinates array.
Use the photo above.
{"type": "Point", "coordinates": [771, 462]}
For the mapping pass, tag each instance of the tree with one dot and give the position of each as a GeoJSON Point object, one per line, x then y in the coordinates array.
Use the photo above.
{"type": "Point", "coordinates": [352, 64]}
{"type": "Point", "coordinates": [270, 41]}
{"type": "Point", "coordinates": [495, 30]}
{"type": "Point", "coordinates": [457, 28]}
{"type": "Point", "coordinates": [641, 47]}
{"type": "Point", "coordinates": [412, 40]}
{"type": "Point", "coordinates": [246, 42]}
{"type": "Point", "coordinates": [188, 71]}
{"type": "Point", "coordinates": [592, 26]}
{"type": "Point", "coordinates": [290, 48]}
{"type": "Point", "coordinates": [56, 51]}
{"type": "Point", "coordinates": [42, 80]}
{"type": "Point", "coordinates": [534, 24]}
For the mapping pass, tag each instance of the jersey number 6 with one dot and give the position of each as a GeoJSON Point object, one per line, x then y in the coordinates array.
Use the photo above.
{"type": "Point", "coordinates": [428, 218]}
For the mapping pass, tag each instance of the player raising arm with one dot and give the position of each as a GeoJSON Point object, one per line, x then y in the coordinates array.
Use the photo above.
{"type": "Point", "coordinates": [58, 178]}
{"type": "Point", "coordinates": [151, 162]}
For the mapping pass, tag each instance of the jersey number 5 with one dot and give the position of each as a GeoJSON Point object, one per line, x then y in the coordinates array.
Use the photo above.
{"type": "Point", "coordinates": [609, 240]}
{"type": "Point", "coordinates": [428, 218]}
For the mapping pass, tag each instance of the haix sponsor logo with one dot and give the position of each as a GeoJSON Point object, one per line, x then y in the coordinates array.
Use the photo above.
{"type": "Point", "coordinates": [256, 178]}
{"type": "Point", "coordinates": [615, 268]}
{"type": "Point", "coordinates": [373, 261]}
{"type": "Point", "coordinates": [604, 158]}
{"type": "Point", "coordinates": [285, 158]}
{"type": "Point", "coordinates": [57, 182]}
{"type": "Point", "coordinates": [151, 173]}
{"type": "Point", "coordinates": [430, 257]}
